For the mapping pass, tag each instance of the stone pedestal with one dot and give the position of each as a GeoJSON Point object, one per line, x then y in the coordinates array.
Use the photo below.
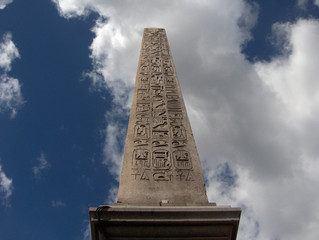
{"type": "Point", "coordinates": [146, 222]}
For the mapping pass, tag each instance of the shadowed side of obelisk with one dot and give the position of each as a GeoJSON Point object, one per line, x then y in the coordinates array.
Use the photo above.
{"type": "Point", "coordinates": [161, 163]}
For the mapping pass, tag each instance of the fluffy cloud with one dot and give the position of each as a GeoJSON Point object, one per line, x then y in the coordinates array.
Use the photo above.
{"type": "Point", "coordinates": [10, 89]}
{"type": "Point", "coordinates": [10, 95]}
{"type": "Point", "coordinates": [4, 3]}
{"type": "Point", "coordinates": [112, 195]}
{"type": "Point", "coordinates": [292, 77]}
{"type": "Point", "coordinates": [114, 140]}
{"type": "Point", "coordinates": [72, 8]}
{"type": "Point", "coordinates": [6, 187]}
{"type": "Point", "coordinates": [255, 124]}
{"type": "Point", "coordinates": [8, 52]}
{"type": "Point", "coordinates": [42, 165]}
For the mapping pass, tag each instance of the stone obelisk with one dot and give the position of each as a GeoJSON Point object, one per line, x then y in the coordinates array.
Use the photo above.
{"type": "Point", "coordinates": [161, 163]}
{"type": "Point", "coordinates": [162, 192]}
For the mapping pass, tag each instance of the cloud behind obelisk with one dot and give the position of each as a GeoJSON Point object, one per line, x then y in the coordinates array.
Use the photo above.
{"type": "Point", "coordinates": [255, 124]}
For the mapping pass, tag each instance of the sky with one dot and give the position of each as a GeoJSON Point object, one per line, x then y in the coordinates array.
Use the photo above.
{"type": "Point", "coordinates": [249, 76]}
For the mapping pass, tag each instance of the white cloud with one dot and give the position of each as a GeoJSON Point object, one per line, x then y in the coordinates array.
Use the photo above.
{"type": "Point", "coordinates": [10, 89]}
{"type": "Point", "coordinates": [42, 165]}
{"type": "Point", "coordinates": [293, 80]}
{"type": "Point", "coordinates": [6, 187]}
{"type": "Point", "coordinates": [294, 77]}
{"type": "Point", "coordinates": [260, 119]}
{"type": "Point", "coordinates": [114, 140]}
{"type": "Point", "coordinates": [4, 3]}
{"type": "Point", "coordinates": [72, 8]}
{"type": "Point", "coordinates": [112, 196]}
{"type": "Point", "coordinates": [10, 95]}
{"type": "Point", "coordinates": [57, 204]}
{"type": "Point", "coordinates": [8, 52]}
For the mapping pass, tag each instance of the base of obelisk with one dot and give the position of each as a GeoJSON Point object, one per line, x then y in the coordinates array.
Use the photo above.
{"type": "Point", "coordinates": [164, 222]}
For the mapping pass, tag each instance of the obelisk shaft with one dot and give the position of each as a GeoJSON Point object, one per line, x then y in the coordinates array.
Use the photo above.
{"type": "Point", "coordinates": [161, 164]}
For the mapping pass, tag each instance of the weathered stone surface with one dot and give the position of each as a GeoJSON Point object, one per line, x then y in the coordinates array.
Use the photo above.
{"type": "Point", "coordinates": [161, 164]}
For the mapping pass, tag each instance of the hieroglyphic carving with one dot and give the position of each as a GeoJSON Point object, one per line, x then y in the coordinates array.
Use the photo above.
{"type": "Point", "coordinates": [141, 158]}
{"type": "Point", "coordinates": [144, 82]}
{"type": "Point", "coordinates": [141, 174]}
{"type": "Point", "coordinates": [160, 138]}
{"type": "Point", "coordinates": [142, 107]}
{"type": "Point", "coordinates": [161, 159]}
{"type": "Point", "coordinates": [174, 106]}
{"type": "Point", "coordinates": [160, 135]}
{"type": "Point", "coordinates": [143, 95]}
{"type": "Point", "coordinates": [182, 159]}
{"type": "Point", "coordinates": [178, 132]}
{"type": "Point", "coordinates": [159, 143]}
{"type": "Point", "coordinates": [141, 131]}
{"type": "Point", "coordinates": [178, 143]}
{"type": "Point", "coordinates": [142, 118]}
{"type": "Point", "coordinates": [157, 80]}
{"type": "Point", "coordinates": [140, 142]}
{"type": "Point", "coordinates": [162, 176]}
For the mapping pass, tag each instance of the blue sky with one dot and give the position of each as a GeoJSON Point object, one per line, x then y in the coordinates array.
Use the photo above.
{"type": "Point", "coordinates": [249, 76]}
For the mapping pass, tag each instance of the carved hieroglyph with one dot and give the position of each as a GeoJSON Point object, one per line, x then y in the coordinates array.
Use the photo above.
{"type": "Point", "coordinates": [161, 163]}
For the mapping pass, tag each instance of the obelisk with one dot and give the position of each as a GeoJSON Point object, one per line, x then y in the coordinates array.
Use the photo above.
{"type": "Point", "coordinates": [161, 163]}
{"type": "Point", "coordinates": [162, 191]}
